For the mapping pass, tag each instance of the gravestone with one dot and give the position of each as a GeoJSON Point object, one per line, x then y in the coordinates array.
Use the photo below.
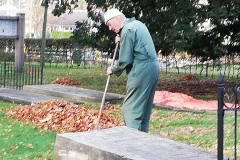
{"type": "Point", "coordinates": [123, 143]}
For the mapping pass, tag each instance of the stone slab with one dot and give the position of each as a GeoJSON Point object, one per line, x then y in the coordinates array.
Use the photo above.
{"type": "Point", "coordinates": [72, 93]}
{"type": "Point", "coordinates": [21, 97]}
{"type": "Point", "coordinates": [123, 143]}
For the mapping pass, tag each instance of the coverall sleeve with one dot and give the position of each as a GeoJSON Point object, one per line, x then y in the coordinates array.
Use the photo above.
{"type": "Point", "coordinates": [125, 53]}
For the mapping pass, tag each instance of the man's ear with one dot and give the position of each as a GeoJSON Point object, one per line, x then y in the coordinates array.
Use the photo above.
{"type": "Point", "coordinates": [119, 19]}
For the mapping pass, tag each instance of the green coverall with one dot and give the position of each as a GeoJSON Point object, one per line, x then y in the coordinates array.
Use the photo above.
{"type": "Point", "coordinates": [137, 55]}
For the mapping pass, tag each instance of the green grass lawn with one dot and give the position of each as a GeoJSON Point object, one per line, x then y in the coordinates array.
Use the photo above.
{"type": "Point", "coordinates": [23, 140]}
{"type": "Point", "coordinates": [90, 78]}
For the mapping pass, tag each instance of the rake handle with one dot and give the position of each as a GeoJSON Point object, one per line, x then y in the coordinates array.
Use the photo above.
{"type": "Point", "coordinates": [105, 90]}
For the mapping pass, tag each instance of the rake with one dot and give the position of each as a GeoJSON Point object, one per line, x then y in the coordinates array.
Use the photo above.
{"type": "Point", "coordinates": [106, 87]}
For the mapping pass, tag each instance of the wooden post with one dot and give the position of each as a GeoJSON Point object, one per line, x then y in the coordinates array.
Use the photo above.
{"type": "Point", "coordinates": [19, 43]}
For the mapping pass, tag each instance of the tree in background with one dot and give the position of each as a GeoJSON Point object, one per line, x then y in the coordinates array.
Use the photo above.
{"type": "Point", "coordinates": [63, 6]}
{"type": "Point", "coordinates": [168, 21]}
{"type": "Point", "coordinates": [60, 8]}
{"type": "Point", "coordinates": [36, 10]}
{"type": "Point", "coordinates": [94, 33]}
{"type": "Point", "coordinates": [81, 4]}
{"type": "Point", "coordinates": [224, 36]}
{"type": "Point", "coordinates": [174, 25]}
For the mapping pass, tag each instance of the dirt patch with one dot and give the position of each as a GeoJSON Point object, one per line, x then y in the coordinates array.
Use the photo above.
{"type": "Point", "coordinates": [204, 89]}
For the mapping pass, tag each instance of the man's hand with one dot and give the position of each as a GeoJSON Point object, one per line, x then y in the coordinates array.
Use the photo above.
{"type": "Point", "coordinates": [117, 39]}
{"type": "Point", "coordinates": [109, 71]}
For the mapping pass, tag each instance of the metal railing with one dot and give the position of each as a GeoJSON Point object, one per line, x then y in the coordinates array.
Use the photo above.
{"type": "Point", "coordinates": [12, 77]}
{"type": "Point", "coordinates": [222, 107]}
{"type": "Point", "coordinates": [229, 68]}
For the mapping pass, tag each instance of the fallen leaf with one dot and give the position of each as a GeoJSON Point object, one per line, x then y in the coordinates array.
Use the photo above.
{"type": "Point", "coordinates": [62, 116]}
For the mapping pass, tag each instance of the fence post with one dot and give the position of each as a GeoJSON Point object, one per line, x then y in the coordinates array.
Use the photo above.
{"type": "Point", "coordinates": [41, 81]}
{"type": "Point", "coordinates": [4, 73]}
{"type": "Point", "coordinates": [19, 43]}
{"type": "Point", "coordinates": [220, 117]}
{"type": "Point", "coordinates": [236, 91]}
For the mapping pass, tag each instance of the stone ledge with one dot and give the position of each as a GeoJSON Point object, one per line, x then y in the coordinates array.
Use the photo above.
{"type": "Point", "coordinates": [123, 143]}
{"type": "Point", "coordinates": [72, 93]}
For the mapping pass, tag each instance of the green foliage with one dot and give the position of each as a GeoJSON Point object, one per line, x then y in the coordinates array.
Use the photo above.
{"type": "Point", "coordinates": [7, 44]}
{"type": "Point", "coordinates": [60, 35]}
{"type": "Point", "coordinates": [174, 24]}
{"type": "Point", "coordinates": [82, 35]}
{"type": "Point", "coordinates": [65, 43]}
{"type": "Point", "coordinates": [77, 56]}
{"type": "Point", "coordinates": [224, 16]}
{"type": "Point", "coordinates": [170, 29]}
{"type": "Point", "coordinates": [9, 57]}
{"type": "Point", "coordinates": [85, 36]}
{"type": "Point", "coordinates": [56, 50]}
{"type": "Point", "coordinates": [61, 6]}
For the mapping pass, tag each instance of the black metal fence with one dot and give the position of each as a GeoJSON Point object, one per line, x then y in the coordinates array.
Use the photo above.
{"type": "Point", "coordinates": [228, 66]}
{"type": "Point", "coordinates": [12, 77]}
{"type": "Point", "coordinates": [89, 58]}
{"type": "Point", "coordinates": [222, 107]}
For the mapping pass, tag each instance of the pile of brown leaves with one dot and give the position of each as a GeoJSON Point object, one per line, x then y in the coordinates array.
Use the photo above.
{"type": "Point", "coordinates": [64, 116]}
{"type": "Point", "coordinates": [188, 77]}
{"type": "Point", "coordinates": [66, 81]}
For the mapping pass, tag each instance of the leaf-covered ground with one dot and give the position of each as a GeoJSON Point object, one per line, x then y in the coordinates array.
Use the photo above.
{"type": "Point", "coordinates": [198, 88]}
{"type": "Point", "coordinates": [66, 81]}
{"type": "Point", "coordinates": [64, 116]}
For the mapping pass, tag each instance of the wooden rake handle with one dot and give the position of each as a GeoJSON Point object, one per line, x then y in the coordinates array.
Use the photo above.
{"type": "Point", "coordinates": [105, 91]}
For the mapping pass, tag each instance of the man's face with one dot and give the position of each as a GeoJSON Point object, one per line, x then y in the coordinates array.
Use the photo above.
{"type": "Point", "coordinates": [114, 24]}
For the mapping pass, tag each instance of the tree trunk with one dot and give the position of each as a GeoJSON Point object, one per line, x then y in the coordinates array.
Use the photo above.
{"type": "Point", "coordinates": [44, 35]}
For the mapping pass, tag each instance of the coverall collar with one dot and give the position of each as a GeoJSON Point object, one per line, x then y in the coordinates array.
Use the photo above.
{"type": "Point", "coordinates": [128, 20]}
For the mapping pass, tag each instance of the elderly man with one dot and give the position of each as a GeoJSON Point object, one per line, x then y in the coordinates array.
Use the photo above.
{"type": "Point", "coordinates": [137, 55]}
